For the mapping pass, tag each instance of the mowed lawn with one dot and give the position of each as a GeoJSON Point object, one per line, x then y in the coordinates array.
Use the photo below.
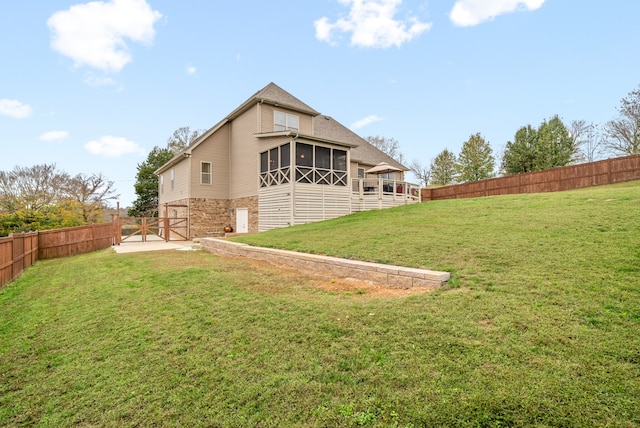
{"type": "Point", "coordinates": [540, 326]}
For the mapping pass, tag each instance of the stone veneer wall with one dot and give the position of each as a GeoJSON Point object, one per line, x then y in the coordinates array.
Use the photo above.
{"type": "Point", "coordinates": [251, 203]}
{"type": "Point", "coordinates": [209, 217]}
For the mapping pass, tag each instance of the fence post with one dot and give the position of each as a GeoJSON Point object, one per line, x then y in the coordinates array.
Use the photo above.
{"type": "Point", "coordinates": [167, 230]}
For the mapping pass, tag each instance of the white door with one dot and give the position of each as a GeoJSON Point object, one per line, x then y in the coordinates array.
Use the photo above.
{"type": "Point", "coordinates": [242, 220]}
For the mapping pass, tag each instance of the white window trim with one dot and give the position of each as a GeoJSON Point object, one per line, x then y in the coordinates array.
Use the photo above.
{"type": "Point", "coordinates": [210, 173]}
{"type": "Point", "coordinates": [287, 127]}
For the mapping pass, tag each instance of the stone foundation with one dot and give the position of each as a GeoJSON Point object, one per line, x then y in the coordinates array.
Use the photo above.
{"type": "Point", "coordinates": [251, 203]}
{"type": "Point", "coordinates": [208, 217]}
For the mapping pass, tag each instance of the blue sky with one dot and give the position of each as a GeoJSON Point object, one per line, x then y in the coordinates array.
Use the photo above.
{"type": "Point", "coordinates": [93, 86]}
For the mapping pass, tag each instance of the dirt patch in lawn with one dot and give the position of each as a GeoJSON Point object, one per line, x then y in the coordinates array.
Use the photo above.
{"type": "Point", "coordinates": [354, 287]}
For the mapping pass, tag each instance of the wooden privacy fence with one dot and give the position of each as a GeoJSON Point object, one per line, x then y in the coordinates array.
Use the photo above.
{"type": "Point", "coordinates": [20, 250]}
{"type": "Point", "coordinates": [17, 252]}
{"type": "Point", "coordinates": [553, 180]}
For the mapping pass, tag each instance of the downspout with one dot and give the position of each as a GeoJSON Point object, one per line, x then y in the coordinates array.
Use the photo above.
{"type": "Point", "coordinates": [292, 177]}
{"type": "Point", "coordinates": [188, 156]}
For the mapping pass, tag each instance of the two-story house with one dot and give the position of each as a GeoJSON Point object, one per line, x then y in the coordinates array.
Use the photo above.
{"type": "Point", "coordinates": [275, 162]}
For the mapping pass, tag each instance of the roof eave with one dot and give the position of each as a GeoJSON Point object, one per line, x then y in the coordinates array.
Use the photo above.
{"type": "Point", "coordinates": [296, 135]}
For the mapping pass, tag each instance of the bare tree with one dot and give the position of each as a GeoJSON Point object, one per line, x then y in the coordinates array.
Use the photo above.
{"type": "Point", "coordinates": [624, 133]}
{"type": "Point", "coordinates": [588, 139]}
{"type": "Point", "coordinates": [31, 187]}
{"type": "Point", "coordinates": [92, 194]}
{"type": "Point", "coordinates": [422, 172]}
{"type": "Point", "coordinates": [390, 146]}
{"type": "Point", "coordinates": [182, 138]}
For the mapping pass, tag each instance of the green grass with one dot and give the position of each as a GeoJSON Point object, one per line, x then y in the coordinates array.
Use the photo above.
{"type": "Point", "coordinates": [540, 326]}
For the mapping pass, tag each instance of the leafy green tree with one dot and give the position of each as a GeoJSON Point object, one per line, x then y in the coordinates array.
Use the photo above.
{"type": "Point", "coordinates": [549, 146]}
{"type": "Point", "coordinates": [475, 161]}
{"type": "Point", "coordinates": [444, 168]}
{"type": "Point", "coordinates": [146, 187]}
{"type": "Point", "coordinates": [624, 133]}
{"type": "Point", "coordinates": [555, 146]}
{"type": "Point", "coordinates": [519, 154]}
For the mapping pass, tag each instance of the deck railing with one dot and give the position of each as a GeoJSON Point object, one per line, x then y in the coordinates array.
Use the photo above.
{"type": "Point", "coordinates": [382, 188]}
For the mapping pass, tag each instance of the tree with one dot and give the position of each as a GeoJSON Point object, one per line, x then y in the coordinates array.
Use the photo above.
{"type": "Point", "coordinates": [555, 146]}
{"type": "Point", "coordinates": [422, 172]}
{"type": "Point", "coordinates": [91, 194]}
{"type": "Point", "coordinates": [547, 147]}
{"type": "Point", "coordinates": [475, 161]}
{"type": "Point", "coordinates": [42, 197]}
{"type": "Point", "coordinates": [624, 133]}
{"type": "Point", "coordinates": [519, 154]}
{"type": "Point", "coordinates": [146, 187]}
{"type": "Point", "coordinates": [390, 146]}
{"type": "Point", "coordinates": [31, 187]}
{"type": "Point", "coordinates": [589, 140]}
{"type": "Point", "coordinates": [182, 138]}
{"type": "Point", "coordinates": [443, 168]}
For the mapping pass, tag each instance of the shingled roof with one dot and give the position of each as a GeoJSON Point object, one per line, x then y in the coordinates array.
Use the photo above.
{"type": "Point", "coordinates": [274, 95]}
{"type": "Point", "coordinates": [329, 128]}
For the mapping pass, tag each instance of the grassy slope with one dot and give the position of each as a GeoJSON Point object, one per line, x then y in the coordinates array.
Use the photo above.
{"type": "Point", "coordinates": [541, 327]}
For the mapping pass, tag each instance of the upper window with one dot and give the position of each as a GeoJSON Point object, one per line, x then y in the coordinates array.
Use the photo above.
{"type": "Point", "coordinates": [285, 121]}
{"type": "Point", "coordinates": [173, 178]}
{"type": "Point", "coordinates": [360, 172]}
{"type": "Point", "coordinates": [205, 173]}
{"type": "Point", "coordinates": [161, 183]}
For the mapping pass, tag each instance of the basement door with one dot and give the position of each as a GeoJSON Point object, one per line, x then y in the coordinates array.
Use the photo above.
{"type": "Point", "coordinates": [242, 220]}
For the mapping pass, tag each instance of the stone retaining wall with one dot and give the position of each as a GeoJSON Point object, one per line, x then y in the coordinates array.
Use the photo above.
{"type": "Point", "coordinates": [332, 267]}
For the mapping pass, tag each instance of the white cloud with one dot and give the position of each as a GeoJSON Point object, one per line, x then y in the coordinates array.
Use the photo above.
{"type": "Point", "coordinates": [190, 70]}
{"type": "Point", "coordinates": [14, 108]}
{"type": "Point", "coordinates": [366, 121]}
{"type": "Point", "coordinates": [54, 135]}
{"type": "Point", "coordinates": [466, 13]}
{"type": "Point", "coordinates": [94, 33]}
{"type": "Point", "coordinates": [93, 80]}
{"type": "Point", "coordinates": [113, 147]}
{"type": "Point", "coordinates": [372, 24]}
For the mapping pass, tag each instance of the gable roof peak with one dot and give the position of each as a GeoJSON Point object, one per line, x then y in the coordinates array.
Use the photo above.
{"type": "Point", "coordinates": [274, 94]}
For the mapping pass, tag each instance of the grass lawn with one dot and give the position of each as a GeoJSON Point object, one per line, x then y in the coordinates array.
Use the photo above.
{"type": "Point", "coordinates": [540, 326]}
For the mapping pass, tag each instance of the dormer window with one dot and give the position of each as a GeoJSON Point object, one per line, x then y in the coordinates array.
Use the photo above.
{"type": "Point", "coordinates": [285, 121]}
